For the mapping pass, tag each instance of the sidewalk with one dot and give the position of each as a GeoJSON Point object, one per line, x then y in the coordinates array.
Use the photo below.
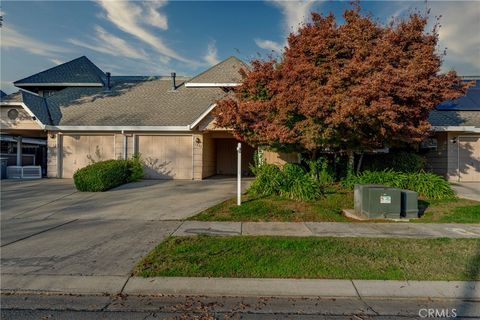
{"type": "Point", "coordinates": [329, 229]}
{"type": "Point", "coordinates": [327, 288]}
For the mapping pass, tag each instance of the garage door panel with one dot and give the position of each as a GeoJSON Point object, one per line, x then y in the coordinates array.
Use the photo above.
{"type": "Point", "coordinates": [166, 157]}
{"type": "Point", "coordinates": [82, 150]}
{"type": "Point", "coordinates": [469, 158]}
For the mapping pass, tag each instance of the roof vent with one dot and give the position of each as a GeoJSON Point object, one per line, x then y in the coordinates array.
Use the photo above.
{"type": "Point", "coordinates": [109, 85]}
{"type": "Point", "coordinates": [174, 84]}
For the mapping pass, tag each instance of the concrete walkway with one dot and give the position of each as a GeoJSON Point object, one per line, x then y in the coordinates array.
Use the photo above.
{"type": "Point", "coordinates": [136, 286]}
{"type": "Point", "coordinates": [467, 190]}
{"type": "Point", "coordinates": [329, 229]}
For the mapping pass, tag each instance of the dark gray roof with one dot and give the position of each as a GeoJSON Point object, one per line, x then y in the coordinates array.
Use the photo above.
{"type": "Point", "coordinates": [454, 118]}
{"type": "Point", "coordinates": [147, 103]}
{"type": "Point", "coordinates": [227, 71]}
{"type": "Point", "coordinates": [2, 94]}
{"type": "Point", "coordinates": [13, 97]}
{"type": "Point", "coordinates": [37, 105]}
{"type": "Point", "coordinates": [80, 70]}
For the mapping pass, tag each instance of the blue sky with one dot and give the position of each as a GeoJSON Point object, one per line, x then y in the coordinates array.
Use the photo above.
{"type": "Point", "coordinates": [157, 37]}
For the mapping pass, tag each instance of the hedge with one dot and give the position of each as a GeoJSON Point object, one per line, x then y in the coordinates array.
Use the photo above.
{"type": "Point", "coordinates": [426, 184]}
{"type": "Point", "coordinates": [104, 175]}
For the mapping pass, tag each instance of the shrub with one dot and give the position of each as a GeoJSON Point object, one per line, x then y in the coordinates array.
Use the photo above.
{"type": "Point", "coordinates": [101, 176]}
{"type": "Point", "coordinates": [136, 168]}
{"type": "Point", "coordinates": [320, 170]}
{"type": "Point", "coordinates": [292, 182]}
{"type": "Point", "coordinates": [104, 175]}
{"type": "Point", "coordinates": [427, 185]}
{"type": "Point", "coordinates": [397, 161]}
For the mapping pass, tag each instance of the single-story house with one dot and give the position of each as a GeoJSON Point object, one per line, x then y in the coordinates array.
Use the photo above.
{"type": "Point", "coordinates": [453, 150]}
{"type": "Point", "coordinates": [73, 114]}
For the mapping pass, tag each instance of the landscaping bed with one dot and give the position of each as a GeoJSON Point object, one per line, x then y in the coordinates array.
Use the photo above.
{"type": "Point", "coordinates": [329, 208]}
{"type": "Point", "coordinates": [316, 258]}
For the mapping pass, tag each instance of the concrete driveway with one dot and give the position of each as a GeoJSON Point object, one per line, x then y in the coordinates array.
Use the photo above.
{"type": "Point", "coordinates": [467, 190]}
{"type": "Point", "coordinates": [49, 228]}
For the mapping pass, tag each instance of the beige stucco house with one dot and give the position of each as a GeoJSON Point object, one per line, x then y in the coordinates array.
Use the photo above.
{"type": "Point", "coordinates": [73, 114]}
{"type": "Point", "coordinates": [77, 114]}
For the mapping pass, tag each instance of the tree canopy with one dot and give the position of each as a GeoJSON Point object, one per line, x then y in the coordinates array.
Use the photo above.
{"type": "Point", "coordinates": [355, 86]}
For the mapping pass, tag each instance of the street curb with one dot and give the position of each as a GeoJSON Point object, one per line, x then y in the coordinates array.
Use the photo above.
{"type": "Point", "coordinates": [258, 287]}
{"type": "Point", "coordinates": [64, 284]}
{"type": "Point", "coordinates": [303, 288]}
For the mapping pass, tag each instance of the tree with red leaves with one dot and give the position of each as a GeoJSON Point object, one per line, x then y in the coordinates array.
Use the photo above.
{"type": "Point", "coordinates": [351, 87]}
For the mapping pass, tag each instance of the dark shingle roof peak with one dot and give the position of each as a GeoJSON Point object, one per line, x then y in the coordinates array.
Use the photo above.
{"type": "Point", "coordinates": [77, 71]}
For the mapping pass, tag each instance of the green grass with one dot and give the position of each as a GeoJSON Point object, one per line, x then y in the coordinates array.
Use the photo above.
{"type": "Point", "coordinates": [329, 208]}
{"type": "Point", "coordinates": [325, 258]}
{"type": "Point", "coordinates": [274, 208]}
{"type": "Point", "coordinates": [449, 211]}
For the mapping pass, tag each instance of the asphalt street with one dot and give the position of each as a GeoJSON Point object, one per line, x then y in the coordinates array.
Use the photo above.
{"type": "Point", "coordinates": [36, 306]}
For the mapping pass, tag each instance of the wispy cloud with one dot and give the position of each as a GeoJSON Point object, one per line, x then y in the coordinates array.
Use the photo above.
{"type": "Point", "coordinates": [12, 38]}
{"type": "Point", "coordinates": [459, 33]}
{"type": "Point", "coordinates": [108, 43]}
{"type": "Point", "coordinates": [132, 17]}
{"type": "Point", "coordinates": [211, 57]}
{"type": "Point", "coordinates": [295, 13]}
{"type": "Point", "coordinates": [269, 45]}
{"type": "Point", "coordinates": [56, 61]}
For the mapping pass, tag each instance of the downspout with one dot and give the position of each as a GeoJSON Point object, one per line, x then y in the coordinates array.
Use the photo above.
{"type": "Point", "coordinates": [58, 150]}
{"type": "Point", "coordinates": [125, 145]}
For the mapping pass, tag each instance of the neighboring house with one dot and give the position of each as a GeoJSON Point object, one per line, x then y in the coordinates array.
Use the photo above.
{"type": "Point", "coordinates": [453, 150]}
{"type": "Point", "coordinates": [75, 114]}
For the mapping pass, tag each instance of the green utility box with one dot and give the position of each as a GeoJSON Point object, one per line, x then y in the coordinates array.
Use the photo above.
{"type": "Point", "coordinates": [409, 207]}
{"type": "Point", "coordinates": [377, 201]}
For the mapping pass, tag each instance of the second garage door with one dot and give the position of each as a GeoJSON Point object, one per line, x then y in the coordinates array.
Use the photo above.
{"type": "Point", "coordinates": [469, 158]}
{"type": "Point", "coordinates": [166, 156]}
{"type": "Point", "coordinates": [82, 150]}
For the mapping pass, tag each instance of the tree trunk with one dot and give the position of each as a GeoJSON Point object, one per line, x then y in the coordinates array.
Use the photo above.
{"type": "Point", "coordinates": [351, 162]}
{"type": "Point", "coordinates": [359, 164]}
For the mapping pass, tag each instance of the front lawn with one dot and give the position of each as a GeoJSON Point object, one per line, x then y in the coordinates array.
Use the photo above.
{"type": "Point", "coordinates": [323, 258]}
{"type": "Point", "coordinates": [329, 208]}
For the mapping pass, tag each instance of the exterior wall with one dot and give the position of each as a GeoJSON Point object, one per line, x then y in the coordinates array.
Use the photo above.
{"type": "Point", "coordinates": [24, 120]}
{"type": "Point", "coordinates": [209, 157]}
{"type": "Point", "coordinates": [437, 160]}
{"type": "Point", "coordinates": [120, 145]}
{"type": "Point", "coordinates": [52, 140]}
{"type": "Point", "coordinates": [197, 140]}
{"type": "Point", "coordinates": [280, 158]}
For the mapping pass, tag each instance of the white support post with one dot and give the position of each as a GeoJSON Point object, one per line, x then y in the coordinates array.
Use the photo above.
{"type": "Point", "coordinates": [19, 151]}
{"type": "Point", "coordinates": [239, 174]}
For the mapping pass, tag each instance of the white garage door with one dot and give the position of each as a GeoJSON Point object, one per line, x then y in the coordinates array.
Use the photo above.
{"type": "Point", "coordinates": [166, 156]}
{"type": "Point", "coordinates": [469, 158]}
{"type": "Point", "coordinates": [79, 151]}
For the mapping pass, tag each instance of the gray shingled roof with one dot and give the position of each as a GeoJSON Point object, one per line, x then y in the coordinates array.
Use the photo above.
{"type": "Point", "coordinates": [227, 71]}
{"type": "Point", "coordinates": [80, 70]}
{"type": "Point", "coordinates": [38, 106]}
{"type": "Point", "coordinates": [148, 103]}
{"type": "Point", "coordinates": [454, 118]}
{"type": "Point", "coordinates": [13, 97]}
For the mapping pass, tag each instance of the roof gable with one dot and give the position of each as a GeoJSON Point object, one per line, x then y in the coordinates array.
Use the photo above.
{"type": "Point", "coordinates": [75, 72]}
{"type": "Point", "coordinates": [226, 72]}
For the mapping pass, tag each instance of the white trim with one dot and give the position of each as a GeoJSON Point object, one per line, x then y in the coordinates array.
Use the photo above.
{"type": "Point", "coordinates": [456, 128]}
{"type": "Point", "coordinates": [118, 128]}
{"type": "Point", "coordinates": [203, 115]}
{"type": "Point", "coordinates": [211, 84]}
{"type": "Point", "coordinates": [61, 84]}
